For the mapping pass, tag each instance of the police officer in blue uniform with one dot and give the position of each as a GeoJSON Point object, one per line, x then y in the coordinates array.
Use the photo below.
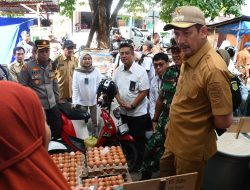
{"type": "Point", "coordinates": [38, 74]}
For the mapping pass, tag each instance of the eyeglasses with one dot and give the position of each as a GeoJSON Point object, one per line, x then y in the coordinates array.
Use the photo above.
{"type": "Point", "coordinates": [158, 65]}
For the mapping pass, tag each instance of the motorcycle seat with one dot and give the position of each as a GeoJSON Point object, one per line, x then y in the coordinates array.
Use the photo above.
{"type": "Point", "coordinates": [73, 113]}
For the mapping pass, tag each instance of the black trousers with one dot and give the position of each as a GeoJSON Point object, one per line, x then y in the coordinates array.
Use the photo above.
{"type": "Point", "coordinates": [137, 128]}
{"type": "Point", "coordinates": [54, 121]}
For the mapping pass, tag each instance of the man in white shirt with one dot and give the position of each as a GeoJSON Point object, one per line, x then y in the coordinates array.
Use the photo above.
{"type": "Point", "coordinates": [133, 86]}
{"type": "Point", "coordinates": [161, 63]}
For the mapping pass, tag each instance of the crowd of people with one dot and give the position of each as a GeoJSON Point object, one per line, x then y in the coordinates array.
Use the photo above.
{"type": "Point", "coordinates": [183, 95]}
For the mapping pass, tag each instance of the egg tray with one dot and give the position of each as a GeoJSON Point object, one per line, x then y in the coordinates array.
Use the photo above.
{"type": "Point", "coordinates": [107, 170]}
{"type": "Point", "coordinates": [78, 172]}
{"type": "Point", "coordinates": [124, 178]}
{"type": "Point", "coordinates": [84, 167]}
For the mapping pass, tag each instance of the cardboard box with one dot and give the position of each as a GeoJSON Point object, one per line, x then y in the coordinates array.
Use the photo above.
{"type": "Point", "coordinates": [178, 182]}
{"type": "Point", "coordinates": [241, 124]}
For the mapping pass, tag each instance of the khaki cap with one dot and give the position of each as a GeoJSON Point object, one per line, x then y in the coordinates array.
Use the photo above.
{"type": "Point", "coordinates": [185, 17]}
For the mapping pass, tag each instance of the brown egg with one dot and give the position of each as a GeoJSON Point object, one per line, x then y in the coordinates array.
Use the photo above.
{"type": "Point", "coordinates": [91, 164]}
{"type": "Point", "coordinates": [97, 158]}
{"type": "Point", "coordinates": [89, 152]}
{"type": "Point", "coordinates": [100, 188]}
{"type": "Point", "coordinates": [72, 183]}
{"type": "Point", "coordinates": [101, 183]}
{"type": "Point", "coordinates": [122, 157]}
{"type": "Point", "coordinates": [65, 169]}
{"type": "Point", "coordinates": [120, 181]}
{"type": "Point", "coordinates": [65, 174]}
{"type": "Point", "coordinates": [119, 176]}
{"type": "Point", "coordinates": [72, 169]}
{"type": "Point", "coordinates": [86, 184]}
{"type": "Point", "coordinates": [87, 180]}
{"type": "Point", "coordinates": [115, 156]}
{"type": "Point", "coordinates": [113, 182]}
{"type": "Point", "coordinates": [117, 161]}
{"type": "Point", "coordinates": [100, 148]}
{"type": "Point", "coordinates": [104, 162]}
{"type": "Point", "coordinates": [119, 148]}
{"type": "Point", "coordinates": [108, 183]}
{"type": "Point", "coordinates": [123, 161]}
{"type": "Point", "coordinates": [92, 180]}
{"type": "Point", "coordinates": [109, 157]}
{"type": "Point", "coordinates": [72, 175]}
{"type": "Point", "coordinates": [110, 162]}
{"type": "Point", "coordinates": [97, 163]}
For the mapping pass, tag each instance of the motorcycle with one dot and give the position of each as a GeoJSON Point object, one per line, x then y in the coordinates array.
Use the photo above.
{"type": "Point", "coordinates": [114, 133]}
{"type": "Point", "coordinates": [74, 129]}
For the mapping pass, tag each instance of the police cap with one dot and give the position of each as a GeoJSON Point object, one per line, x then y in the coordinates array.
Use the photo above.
{"type": "Point", "coordinates": [41, 44]}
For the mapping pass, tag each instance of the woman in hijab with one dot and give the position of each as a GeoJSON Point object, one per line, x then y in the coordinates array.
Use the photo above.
{"type": "Point", "coordinates": [24, 136]}
{"type": "Point", "coordinates": [85, 83]}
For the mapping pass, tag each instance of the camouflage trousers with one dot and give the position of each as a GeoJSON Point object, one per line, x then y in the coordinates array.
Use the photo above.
{"type": "Point", "coordinates": [155, 146]}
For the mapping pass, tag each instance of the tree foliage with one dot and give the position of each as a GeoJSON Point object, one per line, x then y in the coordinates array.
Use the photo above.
{"type": "Point", "coordinates": [67, 7]}
{"type": "Point", "coordinates": [211, 8]}
{"type": "Point", "coordinates": [103, 18]}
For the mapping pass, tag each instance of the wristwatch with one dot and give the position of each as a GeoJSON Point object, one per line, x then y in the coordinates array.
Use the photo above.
{"type": "Point", "coordinates": [132, 106]}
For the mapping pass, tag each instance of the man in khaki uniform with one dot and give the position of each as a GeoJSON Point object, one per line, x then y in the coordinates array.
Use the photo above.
{"type": "Point", "coordinates": [65, 65]}
{"type": "Point", "coordinates": [202, 101]}
{"type": "Point", "coordinates": [16, 66]}
{"type": "Point", "coordinates": [157, 46]}
{"type": "Point", "coordinates": [243, 61]}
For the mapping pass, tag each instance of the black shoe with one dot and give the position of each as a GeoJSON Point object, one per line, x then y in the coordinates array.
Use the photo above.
{"type": "Point", "coordinates": [146, 175]}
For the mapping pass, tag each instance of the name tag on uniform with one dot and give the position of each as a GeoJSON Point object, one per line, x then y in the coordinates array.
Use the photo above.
{"type": "Point", "coordinates": [132, 86]}
{"type": "Point", "coordinates": [86, 81]}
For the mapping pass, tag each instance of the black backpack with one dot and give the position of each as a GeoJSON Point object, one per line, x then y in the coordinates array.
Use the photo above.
{"type": "Point", "coordinates": [142, 58]}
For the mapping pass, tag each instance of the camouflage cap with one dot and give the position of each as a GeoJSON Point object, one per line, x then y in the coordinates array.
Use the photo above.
{"type": "Point", "coordinates": [185, 17]}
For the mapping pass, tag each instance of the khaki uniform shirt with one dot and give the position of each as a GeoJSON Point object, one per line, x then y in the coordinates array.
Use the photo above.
{"type": "Point", "coordinates": [64, 73]}
{"type": "Point", "coordinates": [203, 90]}
{"type": "Point", "coordinates": [243, 60]}
{"type": "Point", "coordinates": [156, 49]}
{"type": "Point", "coordinates": [15, 69]}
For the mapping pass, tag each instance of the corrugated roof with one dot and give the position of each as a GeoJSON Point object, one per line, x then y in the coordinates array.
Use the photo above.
{"type": "Point", "coordinates": [231, 21]}
{"type": "Point", "coordinates": [15, 7]}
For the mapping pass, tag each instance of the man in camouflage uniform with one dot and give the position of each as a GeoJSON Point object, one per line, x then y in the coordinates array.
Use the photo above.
{"type": "Point", "coordinates": [39, 75]}
{"type": "Point", "coordinates": [155, 146]}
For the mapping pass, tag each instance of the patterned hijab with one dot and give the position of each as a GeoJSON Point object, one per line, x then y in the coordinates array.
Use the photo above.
{"type": "Point", "coordinates": [24, 162]}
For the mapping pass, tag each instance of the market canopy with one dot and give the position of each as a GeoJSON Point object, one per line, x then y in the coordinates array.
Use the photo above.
{"type": "Point", "coordinates": [237, 26]}
{"type": "Point", "coordinates": [26, 7]}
